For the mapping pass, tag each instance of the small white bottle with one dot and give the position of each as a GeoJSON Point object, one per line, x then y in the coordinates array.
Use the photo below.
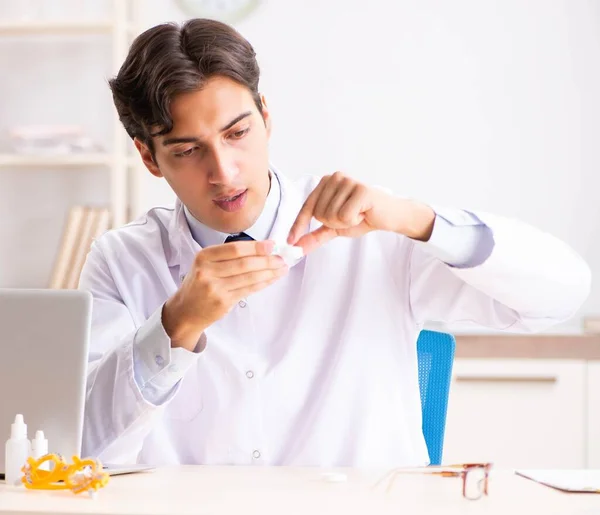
{"type": "Point", "coordinates": [39, 448]}
{"type": "Point", "coordinates": [18, 449]}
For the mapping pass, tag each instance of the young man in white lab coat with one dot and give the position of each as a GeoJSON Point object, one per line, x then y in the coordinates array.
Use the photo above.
{"type": "Point", "coordinates": [207, 349]}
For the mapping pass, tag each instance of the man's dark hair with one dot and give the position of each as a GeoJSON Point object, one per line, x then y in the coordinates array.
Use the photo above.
{"type": "Point", "coordinates": [169, 59]}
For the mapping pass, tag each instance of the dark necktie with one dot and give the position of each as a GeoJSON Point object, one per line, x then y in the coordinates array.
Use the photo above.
{"type": "Point", "coordinates": [242, 236]}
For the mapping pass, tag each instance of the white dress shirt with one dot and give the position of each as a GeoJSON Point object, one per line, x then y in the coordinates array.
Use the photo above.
{"type": "Point", "coordinates": [319, 368]}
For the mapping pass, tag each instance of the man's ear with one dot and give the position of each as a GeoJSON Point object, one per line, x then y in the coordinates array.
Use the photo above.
{"type": "Point", "coordinates": [147, 158]}
{"type": "Point", "coordinates": [266, 115]}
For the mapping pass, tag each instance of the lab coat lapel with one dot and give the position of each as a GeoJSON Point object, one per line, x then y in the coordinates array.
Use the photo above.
{"type": "Point", "coordinates": [183, 246]}
{"type": "Point", "coordinates": [291, 203]}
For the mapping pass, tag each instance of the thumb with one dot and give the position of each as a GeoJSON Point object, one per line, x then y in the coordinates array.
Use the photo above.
{"type": "Point", "coordinates": [316, 238]}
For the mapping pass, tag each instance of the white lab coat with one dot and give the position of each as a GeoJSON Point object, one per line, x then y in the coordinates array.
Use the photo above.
{"type": "Point", "coordinates": [318, 369]}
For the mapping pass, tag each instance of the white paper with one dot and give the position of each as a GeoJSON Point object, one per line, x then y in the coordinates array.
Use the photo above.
{"type": "Point", "coordinates": [571, 480]}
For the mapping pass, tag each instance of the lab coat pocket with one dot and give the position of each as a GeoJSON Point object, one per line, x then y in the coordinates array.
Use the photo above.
{"type": "Point", "coordinates": [187, 403]}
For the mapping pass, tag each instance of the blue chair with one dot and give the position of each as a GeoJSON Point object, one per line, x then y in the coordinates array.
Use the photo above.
{"type": "Point", "coordinates": [435, 352]}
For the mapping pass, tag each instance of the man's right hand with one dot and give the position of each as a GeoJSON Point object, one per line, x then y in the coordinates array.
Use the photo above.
{"type": "Point", "coordinates": [220, 277]}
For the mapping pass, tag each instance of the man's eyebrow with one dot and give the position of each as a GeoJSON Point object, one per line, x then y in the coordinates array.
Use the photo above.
{"type": "Point", "coordinates": [189, 139]}
{"type": "Point", "coordinates": [173, 141]}
{"type": "Point", "coordinates": [235, 120]}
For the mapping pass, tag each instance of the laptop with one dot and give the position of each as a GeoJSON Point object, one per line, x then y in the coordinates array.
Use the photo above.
{"type": "Point", "coordinates": [44, 343]}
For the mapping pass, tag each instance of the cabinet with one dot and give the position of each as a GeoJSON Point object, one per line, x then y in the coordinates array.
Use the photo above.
{"type": "Point", "coordinates": [522, 413]}
{"type": "Point", "coordinates": [593, 415]}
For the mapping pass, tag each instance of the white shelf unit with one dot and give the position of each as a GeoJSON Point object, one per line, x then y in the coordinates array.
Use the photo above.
{"type": "Point", "coordinates": [53, 161]}
{"type": "Point", "coordinates": [121, 27]}
{"type": "Point", "coordinates": [37, 27]}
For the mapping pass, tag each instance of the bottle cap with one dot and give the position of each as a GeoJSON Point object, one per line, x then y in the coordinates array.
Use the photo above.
{"type": "Point", "coordinates": [334, 477]}
{"type": "Point", "coordinates": [39, 445]}
{"type": "Point", "coordinates": [18, 428]}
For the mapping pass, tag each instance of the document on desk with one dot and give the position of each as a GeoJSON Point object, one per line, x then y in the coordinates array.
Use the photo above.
{"type": "Point", "coordinates": [569, 480]}
{"type": "Point", "coordinates": [120, 470]}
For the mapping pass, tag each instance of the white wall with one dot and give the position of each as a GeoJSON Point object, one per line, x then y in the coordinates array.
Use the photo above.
{"type": "Point", "coordinates": [477, 104]}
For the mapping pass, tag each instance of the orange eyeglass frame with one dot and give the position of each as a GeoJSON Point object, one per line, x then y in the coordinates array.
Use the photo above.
{"type": "Point", "coordinates": [80, 476]}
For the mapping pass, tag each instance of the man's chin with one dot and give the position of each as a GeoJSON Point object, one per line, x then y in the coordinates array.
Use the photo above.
{"type": "Point", "coordinates": [233, 224]}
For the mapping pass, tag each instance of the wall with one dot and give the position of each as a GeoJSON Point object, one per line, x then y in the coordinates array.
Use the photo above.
{"type": "Point", "coordinates": [483, 105]}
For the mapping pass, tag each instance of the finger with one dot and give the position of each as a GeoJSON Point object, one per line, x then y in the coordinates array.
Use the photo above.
{"type": "Point", "coordinates": [306, 213]}
{"type": "Point", "coordinates": [351, 213]}
{"type": "Point", "coordinates": [247, 264]}
{"type": "Point", "coordinates": [244, 292]}
{"type": "Point", "coordinates": [236, 250]}
{"type": "Point", "coordinates": [249, 279]}
{"type": "Point", "coordinates": [327, 196]}
{"type": "Point", "coordinates": [332, 210]}
{"type": "Point", "coordinates": [315, 239]}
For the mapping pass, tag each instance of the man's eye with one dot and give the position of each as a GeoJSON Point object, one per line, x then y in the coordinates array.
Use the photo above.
{"type": "Point", "coordinates": [186, 153]}
{"type": "Point", "coordinates": [241, 133]}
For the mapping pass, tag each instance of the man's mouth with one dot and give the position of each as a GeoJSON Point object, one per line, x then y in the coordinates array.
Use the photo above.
{"type": "Point", "coordinates": [233, 202]}
{"type": "Point", "coordinates": [230, 199]}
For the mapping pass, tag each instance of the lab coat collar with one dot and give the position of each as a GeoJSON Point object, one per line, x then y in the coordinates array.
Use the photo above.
{"type": "Point", "coordinates": [184, 247]}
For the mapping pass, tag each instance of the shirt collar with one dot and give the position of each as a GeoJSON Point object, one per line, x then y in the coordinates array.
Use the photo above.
{"type": "Point", "coordinates": [205, 236]}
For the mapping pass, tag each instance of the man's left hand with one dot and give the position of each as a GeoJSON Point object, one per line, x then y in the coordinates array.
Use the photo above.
{"type": "Point", "coordinates": [348, 208]}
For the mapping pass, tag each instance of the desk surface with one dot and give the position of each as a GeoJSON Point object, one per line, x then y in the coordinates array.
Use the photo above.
{"type": "Point", "coordinates": [277, 490]}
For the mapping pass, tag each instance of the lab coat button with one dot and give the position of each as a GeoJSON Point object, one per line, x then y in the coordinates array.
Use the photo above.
{"type": "Point", "coordinates": [159, 360]}
{"type": "Point", "coordinates": [242, 304]}
{"type": "Point", "coordinates": [249, 374]}
{"type": "Point", "coordinates": [256, 455]}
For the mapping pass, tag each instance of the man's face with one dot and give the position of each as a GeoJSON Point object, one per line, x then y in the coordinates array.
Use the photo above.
{"type": "Point", "coordinates": [216, 157]}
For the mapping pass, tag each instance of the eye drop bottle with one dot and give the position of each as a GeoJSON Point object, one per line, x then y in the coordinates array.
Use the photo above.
{"type": "Point", "coordinates": [18, 449]}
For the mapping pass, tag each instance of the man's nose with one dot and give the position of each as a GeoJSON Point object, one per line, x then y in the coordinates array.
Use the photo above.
{"type": "Point", "coordinates": [223, 168]}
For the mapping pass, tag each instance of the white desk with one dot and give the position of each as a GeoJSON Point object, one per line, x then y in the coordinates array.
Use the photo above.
{"type": "Point", "coordinates": [268, 490]}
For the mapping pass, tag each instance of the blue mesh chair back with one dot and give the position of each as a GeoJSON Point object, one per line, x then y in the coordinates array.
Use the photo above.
{"type": "Point", "coordinates": [435, 352]}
